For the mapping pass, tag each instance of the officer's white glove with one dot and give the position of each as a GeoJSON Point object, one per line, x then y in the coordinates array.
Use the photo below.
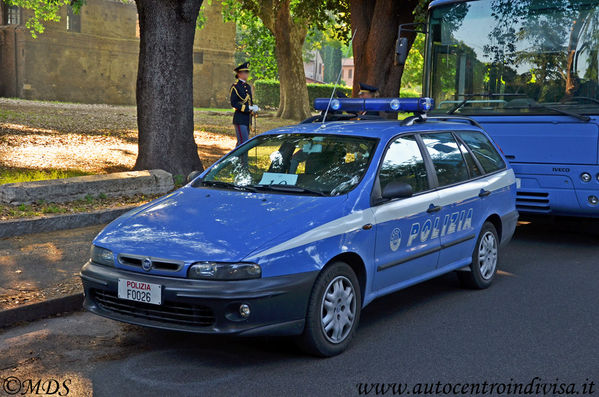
{"type": "Point", "coordinates": [254, 108]}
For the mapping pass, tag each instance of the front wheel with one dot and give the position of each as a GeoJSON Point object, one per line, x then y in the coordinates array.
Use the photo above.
{"type": "Point", "coordinates": [333, 311]}
{"type": "Point", "coordinates": [484, 260]}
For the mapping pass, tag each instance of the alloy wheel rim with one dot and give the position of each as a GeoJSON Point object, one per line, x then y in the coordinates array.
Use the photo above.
{"type": "Point", "coordinates": [487, 255]}
{"type": "Point", "coordinates": [338, 309]}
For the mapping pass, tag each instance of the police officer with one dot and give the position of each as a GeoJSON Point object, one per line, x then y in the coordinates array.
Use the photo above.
{"type": "Point", "coordinates": [368, 91]}
{"type": "Point", "coordinates": [242, 101]}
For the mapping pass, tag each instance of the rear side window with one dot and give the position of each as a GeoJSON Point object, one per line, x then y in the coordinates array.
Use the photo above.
{"type": "Point", "coordinates": [474, 170]}
{"type": "Point", "coordinates": [404, 163]}
{"type": "Point", "coordinates": [483, 150]}
{"type": "Point", "coordinates": [447, 158]}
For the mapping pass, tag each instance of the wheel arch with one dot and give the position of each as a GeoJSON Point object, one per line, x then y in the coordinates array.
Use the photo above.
{"type": "Point", "coordinates": [357, 264]}
{"type": "Point", "coordinates": [496, 221]}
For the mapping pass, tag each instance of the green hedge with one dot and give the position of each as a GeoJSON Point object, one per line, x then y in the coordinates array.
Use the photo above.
{"type": "Point", "coordinates": [267, 92]}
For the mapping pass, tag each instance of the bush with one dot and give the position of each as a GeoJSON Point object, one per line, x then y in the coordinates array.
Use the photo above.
{"type": "Point", "coordinates": [267, 92]}
{"type": "Point", "coordinates": [408, 93]}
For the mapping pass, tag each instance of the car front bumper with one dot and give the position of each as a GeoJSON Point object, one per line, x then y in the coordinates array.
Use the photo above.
{"type": "Point", "coordinates": [278, 304]}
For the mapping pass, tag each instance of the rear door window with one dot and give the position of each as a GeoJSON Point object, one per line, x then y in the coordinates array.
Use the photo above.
{"type": "Point", "coordinates": [446, 157]}
{"type": "Point", "coordinates": [483, 150]}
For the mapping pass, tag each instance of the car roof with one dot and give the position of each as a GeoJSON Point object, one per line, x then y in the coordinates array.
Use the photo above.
{"type": "Point", "coordinates": [383, 130]}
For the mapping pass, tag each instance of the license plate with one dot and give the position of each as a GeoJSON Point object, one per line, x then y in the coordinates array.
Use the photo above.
{"type": "Point", "coordinates": [518, 183]}
{"type": "Point", "coordinates": [140, 291]}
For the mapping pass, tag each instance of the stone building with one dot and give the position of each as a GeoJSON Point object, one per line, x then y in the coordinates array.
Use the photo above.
{"type": "Point", "coordinates": [314, 67]}
{"type": "Point", "coordinates": [92, 57]}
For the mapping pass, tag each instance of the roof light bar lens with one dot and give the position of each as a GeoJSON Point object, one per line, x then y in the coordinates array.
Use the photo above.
{"type": "Point", "coordinates": [409, 105]}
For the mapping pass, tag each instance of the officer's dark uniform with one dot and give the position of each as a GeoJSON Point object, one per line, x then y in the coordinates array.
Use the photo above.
{"type": "Point", "coordinates": [241, 100]}
{"type": "Point", "coordinates": [368, 89]}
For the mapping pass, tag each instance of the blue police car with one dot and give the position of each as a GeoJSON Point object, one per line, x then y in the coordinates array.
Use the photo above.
{"type": "Point", "coordinates": [297, 230]}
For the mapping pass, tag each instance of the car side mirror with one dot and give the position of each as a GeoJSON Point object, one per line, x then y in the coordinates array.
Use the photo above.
{"type": "Point", "coordinates": [401, 50]}
{"type": "Point", "coordinates": [396, 189]}
{"type": "Point", "coordinates": [192, 175]}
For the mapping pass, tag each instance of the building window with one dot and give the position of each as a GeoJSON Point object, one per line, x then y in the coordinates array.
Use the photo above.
{"type": "Point", "coordinates": [349, 73]}
{"type": "Point", "coordinates": [73, 20]}
{"type": "Point", "coordinates": [13, 15]}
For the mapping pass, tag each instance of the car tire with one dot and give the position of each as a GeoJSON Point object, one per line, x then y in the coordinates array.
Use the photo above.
{"type": "Point", "coordinates": [333, 311]}
{"type": "Point", "coordinates": [484, 260]}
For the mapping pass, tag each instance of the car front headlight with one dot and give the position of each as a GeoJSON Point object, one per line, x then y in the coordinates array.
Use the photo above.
{"type": "Point", "coordinates": [224, 271]}
{"type": "Point", "coordinates": [102, 256]}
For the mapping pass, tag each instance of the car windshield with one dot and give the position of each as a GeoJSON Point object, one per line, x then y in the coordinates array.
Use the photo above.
{"type": "Point", "coordinates": [515, 57]}
{"type": "Point", "coordinates": [327, 165]}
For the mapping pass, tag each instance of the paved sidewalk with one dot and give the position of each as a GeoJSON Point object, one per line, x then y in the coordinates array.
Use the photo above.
{"type": "Point", "coordinates": [43, 266]}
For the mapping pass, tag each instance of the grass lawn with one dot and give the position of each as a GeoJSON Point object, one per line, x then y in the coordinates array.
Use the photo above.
{"type": "Point", "coordinates": [223, 110]}
{"type": "Point", "coordinates": [13, 175]}
{"type": "Point", "coordinates": [89, 203]}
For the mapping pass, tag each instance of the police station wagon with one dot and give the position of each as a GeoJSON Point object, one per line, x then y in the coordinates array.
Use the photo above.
{"type": "Point", "coordinates": [298, 229]}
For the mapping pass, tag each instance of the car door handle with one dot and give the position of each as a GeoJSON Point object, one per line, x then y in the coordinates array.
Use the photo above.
{"type": "Point", "coordinates": [484, 193]}
{"type": "Point", "coordinates": [433, 208]}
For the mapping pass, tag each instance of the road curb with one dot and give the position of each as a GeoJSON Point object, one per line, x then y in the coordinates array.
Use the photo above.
{"type": "Point", "coordinates": [52, 223]}
{"type": "Point", "coordinates": [118, 184]}
{"type": "Point", "coordinates": [37, 311]}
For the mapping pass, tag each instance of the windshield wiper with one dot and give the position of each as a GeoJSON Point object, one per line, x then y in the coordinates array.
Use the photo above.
{"type": "Point", "coordinates": [290, 189]}
{"type": "Point", "coordinates": [227, 185]}
{"type": "Point", "coordinates": [469, 97]}
{"type": "Point", "coordinates": [578, 116]}
{"type": "Point", "coordinates": [581, 99]}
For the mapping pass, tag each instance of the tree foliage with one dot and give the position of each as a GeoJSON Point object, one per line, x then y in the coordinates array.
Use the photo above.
{"type": "Point", "coordinates": [331, 57]}
{"type": "Point", "coordinates": [412, 73]}
{"type": "Point", "coordinates": [254, 43]}
{"type": "Point", "coordinates": [289, 22]}
{"type": "Point", "coordinates": [43, 11]}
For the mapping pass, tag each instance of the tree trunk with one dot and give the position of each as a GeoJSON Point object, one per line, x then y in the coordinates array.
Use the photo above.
{"type": "Point", "coordinates": [164, 86]}
{"type": "Point", "coordinates": [377, 22]}
{"type": "Point", "coordinates": [289, 40]}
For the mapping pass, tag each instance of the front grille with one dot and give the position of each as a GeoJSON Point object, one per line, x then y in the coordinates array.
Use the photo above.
{"type": "Point", "coordinates": [158, 264]}
{"type": "Point", "coordinates": [177, 313]}
{"type": "Point", "coordinates": [533, 202]}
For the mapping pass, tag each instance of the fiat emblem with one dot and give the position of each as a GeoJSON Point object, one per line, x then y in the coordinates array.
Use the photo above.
{"type": "Point", "coordinates": [146, 264]}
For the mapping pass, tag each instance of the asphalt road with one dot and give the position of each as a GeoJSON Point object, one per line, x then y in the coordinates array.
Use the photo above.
{"type": "Point", "coordinates": [40, 266]}
{"type": "Point", "coordinates": [539, 319]}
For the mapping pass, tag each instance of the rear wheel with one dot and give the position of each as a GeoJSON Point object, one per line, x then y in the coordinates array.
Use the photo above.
{"type": "Point", "coordinates": [484, 260]}
{"type": "Point", "coordinates": [333, 311]}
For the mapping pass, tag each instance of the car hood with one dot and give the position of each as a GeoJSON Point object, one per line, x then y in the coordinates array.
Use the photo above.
{"type": "Point", "coordinates": [200, 224]}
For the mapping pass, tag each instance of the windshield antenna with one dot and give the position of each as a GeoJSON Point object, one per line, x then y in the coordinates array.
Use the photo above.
{"type": "Point", "coordinates": [324, 118]}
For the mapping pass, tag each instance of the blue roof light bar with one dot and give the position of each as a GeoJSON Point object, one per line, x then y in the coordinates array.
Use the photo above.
{"type": "Point", "coordinates": [407, 105]}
